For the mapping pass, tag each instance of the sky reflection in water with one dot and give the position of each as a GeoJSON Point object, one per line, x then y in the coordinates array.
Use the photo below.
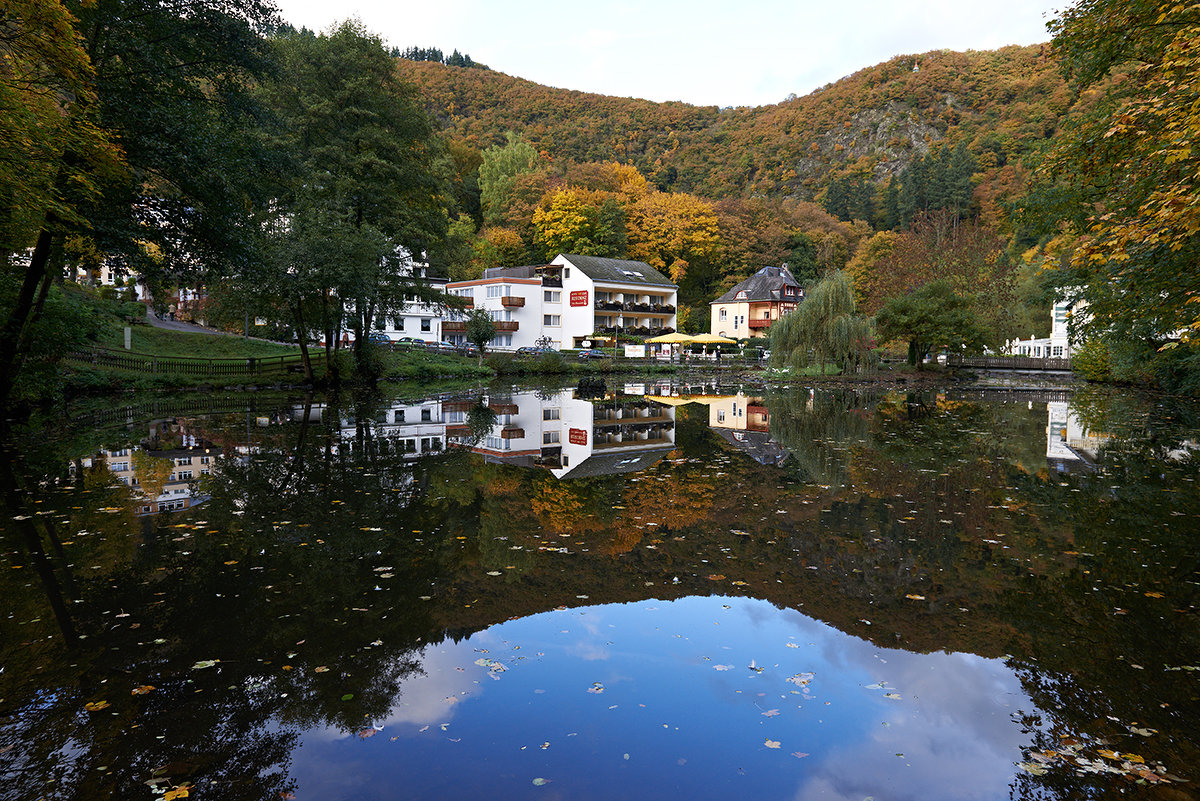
{"type": "Point", "coordinates": [659, 699]}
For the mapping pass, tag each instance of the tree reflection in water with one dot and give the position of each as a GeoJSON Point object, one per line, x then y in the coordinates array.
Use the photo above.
{"type": "Point", "coordinates": [306, 573]}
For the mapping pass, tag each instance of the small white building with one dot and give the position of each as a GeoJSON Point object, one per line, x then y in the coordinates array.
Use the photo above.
{"type": "Point", "coordinates": [1059, 344]}
{"type": "Point", "coordinates": [418, 319]}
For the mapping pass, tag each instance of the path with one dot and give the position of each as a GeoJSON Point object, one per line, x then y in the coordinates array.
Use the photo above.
{"type": "Point", "coordinates": [192, 328]}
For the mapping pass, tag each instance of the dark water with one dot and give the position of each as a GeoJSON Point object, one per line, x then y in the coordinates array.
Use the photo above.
{"type": "Point", "coordinates": [628, 592]}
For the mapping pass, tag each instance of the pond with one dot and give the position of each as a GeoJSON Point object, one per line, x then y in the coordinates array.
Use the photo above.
{"type": "Point", "coordinates": [604, 592]}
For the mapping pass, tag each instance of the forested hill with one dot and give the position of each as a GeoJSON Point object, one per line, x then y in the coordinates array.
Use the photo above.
{"type": "Point", "coordinates": [869, 125]}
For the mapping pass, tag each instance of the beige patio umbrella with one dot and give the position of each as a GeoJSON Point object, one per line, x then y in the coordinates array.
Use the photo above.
{"type": "Point", "coordinates": [674, 338]}
{"type": "Point", "coordinates": [712, 339]}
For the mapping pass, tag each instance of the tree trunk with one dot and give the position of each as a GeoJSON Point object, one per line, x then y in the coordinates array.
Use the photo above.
{"type": "Point", "coordinates": [22, 311]}
{"type": "Point", "coordinates": [302, 339]}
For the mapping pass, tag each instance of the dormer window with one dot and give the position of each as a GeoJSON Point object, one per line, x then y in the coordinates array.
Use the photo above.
{"type": "Point", "coordinates": [741, 295]}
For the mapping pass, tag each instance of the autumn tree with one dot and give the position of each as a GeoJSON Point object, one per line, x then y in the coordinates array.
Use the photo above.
{"type": "Point", "coordinates": [1132, 170]}
{"type": "Point", "coordinates": [575, 221]}
{"type": "Point", "coordinates": [498, 170]}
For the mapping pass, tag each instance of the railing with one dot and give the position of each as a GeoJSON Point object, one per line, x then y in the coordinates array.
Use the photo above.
{"type": "Point", "coordinates": [759, 323]}
{"type": "Point", "coordinates": [552, 281]}
{"type": "Point", "coordinates": [192, 366]}
{"type": "Point", "coordinates": [502, 325]}
{"type": "Point", "coordinates": [641, 308]}
{"type": "Point", "coordinates": [512, 301]}
{"type": "Point", "coordinates": [1009, 362]}
{"type": "Point", "coordinates": [454, 326]}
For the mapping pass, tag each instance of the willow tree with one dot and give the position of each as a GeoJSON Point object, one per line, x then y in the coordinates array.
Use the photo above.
{"type": "Point", "coordinates": [825, 328]}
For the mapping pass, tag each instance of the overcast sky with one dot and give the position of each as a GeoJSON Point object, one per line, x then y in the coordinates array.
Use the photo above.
{"type": "Point", "coordinates": [705, 52]}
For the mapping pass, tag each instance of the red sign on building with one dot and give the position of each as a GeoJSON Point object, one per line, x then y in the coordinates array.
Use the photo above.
{"type": "Point", "coordinates": [577, 436]}
{"type": "Point", "coordinates": [579, 297]}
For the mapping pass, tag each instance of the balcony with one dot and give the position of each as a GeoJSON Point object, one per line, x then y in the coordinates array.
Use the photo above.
{"type": "Point", "coordinates": [512, 432]}
{"type": "Point", "coordinates": [552, 281]}
{"type": "Point", "coordinates": [502, 326]}
{"type": "Point", "coordinates": [512, 302]}
{"type": "Point", "coordinates": [641, 308]}
{"type": "Point", "coordinates": [457, 406]}
{"type": "Point", "coordinates": [503, 407]}
{"type": "Point", "coordinates": [454, 326]}
{"type": "Point", "coordinates": [760, 323]}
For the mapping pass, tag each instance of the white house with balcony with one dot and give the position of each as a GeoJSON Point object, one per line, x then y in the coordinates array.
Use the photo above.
{"type": "Point", "coordinates": [570, 301]}
{"type": "Point", "coordinates": [417, 318]}
{"type": "Point", "coordinates": [1059, 344]}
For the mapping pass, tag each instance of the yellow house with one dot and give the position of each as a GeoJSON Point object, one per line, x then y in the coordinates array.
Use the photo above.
{"type": "Point", "coordinates": [749, 308]}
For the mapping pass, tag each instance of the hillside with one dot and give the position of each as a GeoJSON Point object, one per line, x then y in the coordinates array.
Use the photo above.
{"type": "Point", "coordinates": [1001, 103]}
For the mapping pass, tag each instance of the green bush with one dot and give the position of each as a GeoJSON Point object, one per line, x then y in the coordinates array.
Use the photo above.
{"type": "Point", "coordinates": [1093, 361]}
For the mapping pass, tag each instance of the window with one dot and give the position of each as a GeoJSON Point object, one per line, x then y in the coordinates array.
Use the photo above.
{"type": "Point", "coordinates": [551, 437]}
{"type": "Point", "coordinates": [185, 475]}
{"type": "Point", "coordinates": [497, 444]}
{"type": "Point", "coordinates": [552, 320]}
{"type": "Point", "coordinates": [721, 315]}
{"type": "Point", "coordinates": [498, 290]}
{"type": "Point", "coordinates": [456, 417]}
{"type": "Point", "coordinates": [426, 415]}
{"type": "Point", "coordinates": [398, 323]}
{"type": "Point", "coordinates": [551, 296]}
{"type": "Point", "coordinates": [551, 414]}
{"type": "Point", "coordinates": [426, 326]}
{"type": "Point", "coordinates": [720, 415]}
{"type": "Point", "coordinates": [767, 315]}
{"type": "Point", "coordinates": [741, 295]}
{"type": "Point", "coordinates": [184, 460]}
{"type": "Point", "coordinates": [566, 272]}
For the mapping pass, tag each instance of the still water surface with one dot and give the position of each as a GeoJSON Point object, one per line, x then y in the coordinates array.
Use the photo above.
{"type": "Point", "coordinates": [644, 591]}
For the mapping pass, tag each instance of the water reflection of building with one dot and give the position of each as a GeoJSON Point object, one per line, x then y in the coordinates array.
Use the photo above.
{"type": "Point", "coordinates": [408, 428]}
{"type": "Point", "coordinates": [742, 420]}
{"type": "Point", "coordinates": [745, 422]}
{"type": "Point", "coordinates": [162, 474]}
{"type": "Point", "coordinates": [567, 435]}
{"type": "Point", "coordinates": [1069, 444]}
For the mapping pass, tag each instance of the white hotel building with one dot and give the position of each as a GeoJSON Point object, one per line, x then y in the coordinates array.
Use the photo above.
{"type": "Point", "coordinates": [571, 300]}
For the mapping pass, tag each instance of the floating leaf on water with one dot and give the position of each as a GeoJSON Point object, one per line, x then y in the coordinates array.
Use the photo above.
{"type": "Point", "coordinates": [96, 706]}
{"type": "Point", "coordinates": [495, 573]}
{"type": "Point", "coordinates": [915, 597]}
{"type": "Point", "coordinates": [771, 743]}
{"type": "Point", "coordinates": [596, 688]}
{"type": "Point", "coordinates": [893, 696]}
{"type": "Point", "coordinates": [539, 781]}
{"type": "Point", "coordinates": [1029, 767]}
{"type": "Point", "coordinates": [145, 688]}
{"type": "Point", "coordinates": [205, 663]}
{"type": "Point", "coordinates": [348, 697]}
{"type": "Point", "coordinates": [770, 713]}
{"type": "Point", "coordinates": [320, 669]}
{"type": "Point", "coordinates": [799, 754]}
{"type": "Point", "coordinates": [722, 667]}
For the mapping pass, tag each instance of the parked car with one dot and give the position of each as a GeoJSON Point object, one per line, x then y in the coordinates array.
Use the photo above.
{"type": "Point", "coordinates": [410, 342]}
{"type": "Point", "coordinates": [530, 350]}
{"type": "Point", "coordinates": [379, 338]}
{"type": "Point", "coordinates": [592, 353]}
{"type": "Point", "coordinates": [467, 349]}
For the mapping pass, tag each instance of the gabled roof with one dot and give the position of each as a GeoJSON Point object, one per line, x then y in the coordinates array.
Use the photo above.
{"type": "Point", "coordinates": [764, 285]}
{"type": "Point", "coordinates": [617, 271]}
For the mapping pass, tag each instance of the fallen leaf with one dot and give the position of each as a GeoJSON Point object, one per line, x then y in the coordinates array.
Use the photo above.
{"type": "Point", "coordinates": [145, 688]}
{"type": "Point", "coordinates": [914, 597]}
{"type": "Point", "coordinates": [770, 713]}
{"type": "Point", "coordinates": [771, 743]}
{"type": "Point", "coordinates": [539, 781]}
{"type": "Point", "coordinates": [96, 706]}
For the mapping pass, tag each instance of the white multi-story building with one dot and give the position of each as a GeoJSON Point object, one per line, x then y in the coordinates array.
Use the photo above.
{"type": "Point", "coordinates": [1059, 344]}
{"type": "Point", "coordinates": [418, 319]}
{"type": "Point", "coordinates": [571, 301]}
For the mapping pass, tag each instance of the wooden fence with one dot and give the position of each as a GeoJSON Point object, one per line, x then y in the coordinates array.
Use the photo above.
{"type": "Point", "coordinates": [1010, 363]}
{"type": "Point", "coordinates": [195, 367]}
